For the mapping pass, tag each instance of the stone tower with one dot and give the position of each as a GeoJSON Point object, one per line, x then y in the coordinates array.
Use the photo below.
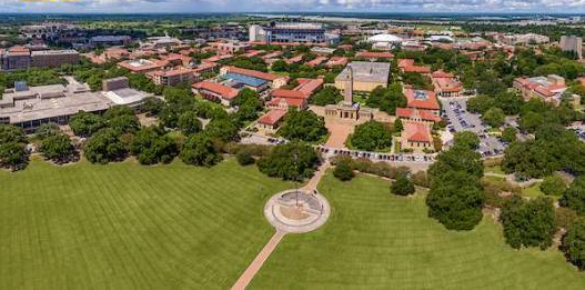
{"type": "Point", "coordinates": [348, 88]}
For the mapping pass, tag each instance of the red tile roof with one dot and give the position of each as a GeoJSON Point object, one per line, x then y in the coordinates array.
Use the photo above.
{"type": "Point", "coordinates": [224, 91]}
{"type": "Point", "coordinates": [272, 117]}
{"type": "Point", "coordinates": [430, 102]}
{"type": "Point", "coordinates": [373, 54]}
{"type": "Point", "coordinates": [308, 86]}
{"type": "Point", "coordinates": [295, 59]}
{"type": "Point", "coordinates": [287, 94]}
{"type": "Point", "coordinates": [442, 74]}
{"type": "Point", "coordinates": [252, 73]}
{"type": "Point", "coordinates": [317, 61]}
{"type": "Point", "coordinates": [337, 60]}
{"type": "Point", "coordinates": [299, 103]}
{"type": "Point", "coordinates": [582, 80]}
{"type": "Point", "coordinates": [424, 115]}
{"type": "Point", "coordinates": [447, 85]}
{"type": "Point", "coordinates": [408, 66]}
{"type": "Point", "coordinates": [174, 72]}
{"type": "Point", "coordinates": [417, 132]}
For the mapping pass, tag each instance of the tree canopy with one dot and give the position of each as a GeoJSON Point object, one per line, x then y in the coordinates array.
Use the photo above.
{"type": "Point", "coordinates": [303, 126]}
{"type": "Point", "coordinates": [293, 161]}
{"type": "Point", "coordinates": [371, 136]}
{"type": "Point", "coordinates": [528, 223]}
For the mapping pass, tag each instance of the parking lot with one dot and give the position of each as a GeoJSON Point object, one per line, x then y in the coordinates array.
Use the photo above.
{"type": "Point", "coordinates": [459, 119]}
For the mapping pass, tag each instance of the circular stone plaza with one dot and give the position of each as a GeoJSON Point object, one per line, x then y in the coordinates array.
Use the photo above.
{"type": "Point", "coordinates": [297, 211]}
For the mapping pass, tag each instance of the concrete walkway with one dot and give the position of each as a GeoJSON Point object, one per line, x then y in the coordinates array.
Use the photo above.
{"type": "Point", "coordinates": [255, 266]}
{"type": "Point", "coordinates": [312, 185]}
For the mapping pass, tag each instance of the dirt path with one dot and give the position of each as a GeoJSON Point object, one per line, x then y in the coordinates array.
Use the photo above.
{"type": "Point", "coordinates": [255, 266]}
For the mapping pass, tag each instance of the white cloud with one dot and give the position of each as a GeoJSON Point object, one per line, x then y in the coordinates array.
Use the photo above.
{"type": "Point", "coordinates": [293, 5]}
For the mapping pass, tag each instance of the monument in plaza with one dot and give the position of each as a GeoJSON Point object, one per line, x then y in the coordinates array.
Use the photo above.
{"type": "Point", "coordinates": [347, 109]}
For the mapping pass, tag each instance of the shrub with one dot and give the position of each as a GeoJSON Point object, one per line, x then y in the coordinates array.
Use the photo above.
{"type": "Point", "coordinates": [553, 185]}
{"type": "Point", "coordinates": [245, 157]}
{"type": "Point", "coordinates": [573, 244]}
{"type": "Point", "coordinates": [343, 171]}
{"type": "Point", "coordinates": [402, 186]}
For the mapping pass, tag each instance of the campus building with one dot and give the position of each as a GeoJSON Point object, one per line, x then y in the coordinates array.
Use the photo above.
{"type": "Point", "coordinates": [54, 58]}
{"type": "Point", "coordinates": [292, 32]}
{"type": "Point", "coordinates": [19, 57]}
{"type": "Point", "coordinates": [109, 40]}
{"type": "Point", "coordinates": [422, 100]}
{"type": "Point", "coordinates": [142, 66]}
{"type": "Point", "coordinates": [572, 44]}
{"type": "Point", "coordinates": [215, 92]}
{"type": "Point", "coordinates": [549, 88]}
{"type": "Point", "coordinates": [446, 85]}
{"type": "Point", "coordinates": [416, 136]}
{"type": "Point", "coordinates": [347, 109]}
{"type": "Point", "coordinates": [270, 122]}
{"type": "Point", "coordinates": [118, 91]}
{"type": "Point", "coordinates": [255, 80]}
{"type": "Point", "coordinates": [408, 66]}
{"type": "Point", "coordinates": [29, 108]}
{"type": "Point", "coordinates": [172, 77]}
{"type": "Point", "coordinates": [366, 76]}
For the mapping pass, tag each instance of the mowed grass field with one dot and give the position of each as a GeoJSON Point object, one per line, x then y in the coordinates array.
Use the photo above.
{"type": "Point", "coordinates": [374, 240]}
{"type": "Point", "coordinates": [126, 226]}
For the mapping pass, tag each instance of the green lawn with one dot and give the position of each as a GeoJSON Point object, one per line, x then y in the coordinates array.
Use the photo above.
{"type": "Point", "coordinates": [495, 169]}
{"type": "Point", "coordinates": [125, 226]}
{"type": "Point", "coordinates": [377, 241]}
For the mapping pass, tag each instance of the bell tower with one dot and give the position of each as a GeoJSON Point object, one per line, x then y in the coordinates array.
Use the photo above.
{"type": "Point", "coordinates": [348, 87]}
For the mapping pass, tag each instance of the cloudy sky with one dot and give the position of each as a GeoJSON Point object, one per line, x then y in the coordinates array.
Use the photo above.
{"type": "Point", "coordinates": [123, 6]}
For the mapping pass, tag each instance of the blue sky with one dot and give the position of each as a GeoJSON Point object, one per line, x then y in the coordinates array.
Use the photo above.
{"type": "Point", "coordinates": [133, 6]}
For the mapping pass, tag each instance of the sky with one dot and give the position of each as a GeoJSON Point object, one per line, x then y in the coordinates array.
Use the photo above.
{"type": "Point", "coordinates": [194, 6]}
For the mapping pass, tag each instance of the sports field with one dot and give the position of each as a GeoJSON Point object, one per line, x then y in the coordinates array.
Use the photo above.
{"type": "Point", "coordinates": [376, 241]}
{"type": "Point", "coordinates": [126, 226]}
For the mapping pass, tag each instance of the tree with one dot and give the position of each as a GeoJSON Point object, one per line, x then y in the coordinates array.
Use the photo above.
{"type": "Point", "coordinates": [466, 139]}
{"type": "Point", "coordinates": [494, 117]}
{"type": "Point", "coordinates": [292, 161]}
{"type": "Point", "coordinates": [47, 130]}
{"type": "Point", "coordinates": [105, 146]}
{"type": "Point", "coordinates": [387, 99]}
{"type": "Point", "coordinates": [509, 134]}
{"type": "Point", "coordinates": [574, 196]}
{"type": "Point", "coordinates": [553, 185]}
{"type": "Point", "coordinates": [573, 244]}
{"type": "Point", "coordinates": [122, 119]}
{"type": "Point", "coordinates": [456, 200]}
{"type": "Point", "coordinates": [189, 123]}
{"type": "Point", "coordinates": [153, 105]}
{"type": "Point", "coordinates": [124, 124]}
{"type": "Point", "coordinates": [199, 150]}
{"type": "Point", "coordinates": [528, 223]}
{"type": "Point", "coordinates": [9, 133]}
{"type": "Point", "coordinates": [531, 121]}
{"type": "Point", "coordinates": [398, 126]}
{"type": "Point", "coordinates": [279, 65]}
{"type": "Point", "coordinates": [86, 124]}
{"type": "Point", "coordinates": [57, 148]}
{"type": "Point", "coordinates": [459, 159]}
{"type": "Point", "coordinates": [223, 129]}
{"type": "Point", "coordinates": [343, 170]}
{"type": "Point", "coordinates": [371, 136]}
{"type": "Point", "coordinates": [13, 155]}
{"type": "Point", "coordinates": [244, 157]}
{"type": "Point", "coordinates": [402, 186]}
{"type": "Point", "coordinates": [327, 96]}
{"type": "Point", "coordinates": [152, 146]}
{"type": "Point", "coordinates": [303, 126]}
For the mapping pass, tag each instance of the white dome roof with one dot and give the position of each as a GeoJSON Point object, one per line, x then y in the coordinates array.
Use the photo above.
{"type": "Point", "coordinates": [385, 38]}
